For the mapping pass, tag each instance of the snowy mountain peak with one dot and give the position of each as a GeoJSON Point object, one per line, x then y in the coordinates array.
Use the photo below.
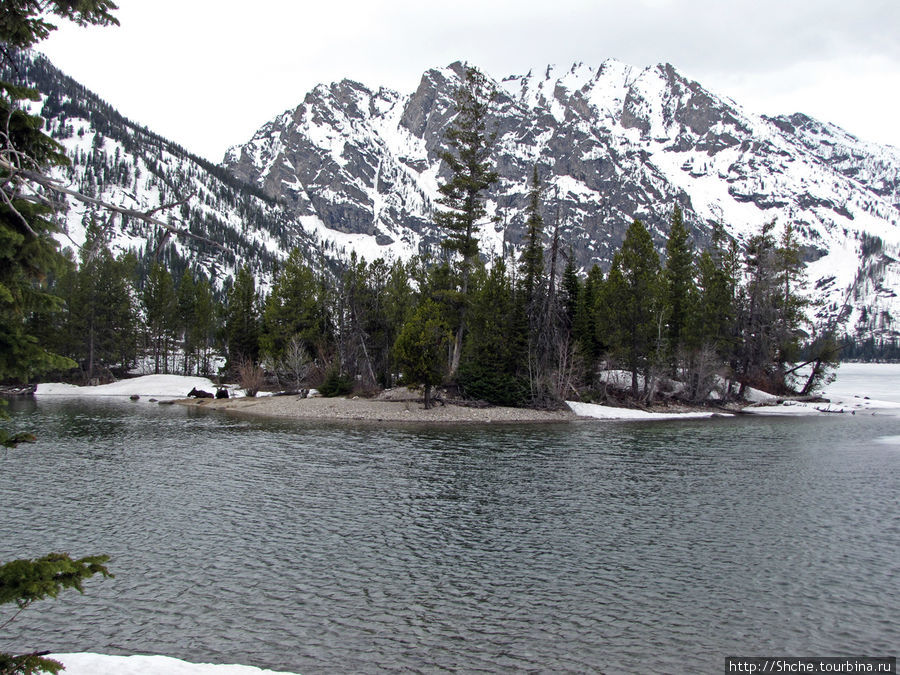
{"type": "Point", "coordinates": [612, 142]}
{"type": "Point", "coordinates": [356, 167]}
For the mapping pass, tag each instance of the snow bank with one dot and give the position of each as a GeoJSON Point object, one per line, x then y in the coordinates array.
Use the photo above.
{"type": "Point", "coordinates": [102, 664]}
{"type": "Point", "coordinates": [605, 412]}
{"type": "Point", "coordinates": [835, 404]}
{"type": "Point", "coordinates": [159, 386]}
{"type": "Point", "coordinates": [879, 380]}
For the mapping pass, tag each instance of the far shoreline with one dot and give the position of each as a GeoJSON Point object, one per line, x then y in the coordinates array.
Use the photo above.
{"type": "Point", "coordinates": [376, 411]}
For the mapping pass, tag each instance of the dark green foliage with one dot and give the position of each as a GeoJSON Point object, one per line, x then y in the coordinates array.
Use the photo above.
{"type": "Point", "coordinates": [495, 349]}
{"type": "Point", "coordinates": [27, 248]}
{"type": "Point", "coordinates": [335, 384]}
{"type": "Point", "coordinates": [713, 320]}
{"type": "Point", "coordinates": [296, 308]}
{"type": "Point", "coordinates": [770, 309]}
{"type": "Point", "coordinates": [570, 291]}
{"type": "Point", "coordinates": [100, 323]}
{"type": "Point", "coordinates": [161, 312]}
{"type": "Point", "coordinates": [242, 322]}
{"type": "Point", "coordinates": [531, 265]}
{"type": "Point", "coordinates": [589, 320]}
{"type": "Point", "coordinates": [468, 160]}
{"type": "Point", "coordinates": [23, 582]}
{"type": "Point", "coordinates": [28, 664]}
{"type": "Point", "coordinates": [421, 347]}
{"type": "Point", "coordinates": [23, 23]}
{"type": "Point", "coordinates": [678, 286]}
{"type": "Point", "coordinates": [633, 298]}
{"type": "Point", "coordinates": [26, 581]}
{"type": "Point", "coordinates": [463, 195]}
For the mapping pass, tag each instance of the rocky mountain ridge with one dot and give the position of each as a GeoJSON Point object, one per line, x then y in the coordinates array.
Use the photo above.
{"type": "Point", "coordinates": [357, 168]}
{"type": "Point", "coordinates": [611, 143]}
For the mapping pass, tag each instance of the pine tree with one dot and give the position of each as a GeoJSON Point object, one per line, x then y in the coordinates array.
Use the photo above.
{"type": "Point", "coordinates": [496, 345]}
{"type": "Point", "coordinates": [185, 297]}
{"type": "Point", "coordinates": [161, 314]}
{"type": "Point", "coordinates": [633, 297]}
{"type": "Point", "coordinates": [296, 307]}
{"type": "Point", "coordinates": [791, 303]}
{"type": "Point", "coordinates": [200, 333]}
{"type": "Point", "coordinates": [758, 309]}
{"type": "Point", "coordinates": [463, 195]}
{"type": "Point", "coordinates": [420, 347]}
{"type": "Point", "coordinates": [27, 252]}
{"type": "Point", "coordinates": [590, 321]}
{"type": "Point", "coordinates": [531, 265]}
{"type": "Point", "coordinates": [242, 320]}
{"type": "Point", "coordinates": [679, 286]}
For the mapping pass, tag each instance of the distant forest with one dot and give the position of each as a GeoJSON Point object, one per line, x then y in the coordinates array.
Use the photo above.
{"type": "Point", "coordinates": [524, 330]}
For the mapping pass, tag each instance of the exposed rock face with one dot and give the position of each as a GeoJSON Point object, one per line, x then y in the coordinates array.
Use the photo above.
{"type": "Point", "coordinates": [611, 144]}
{"type": "Point", "coordinates": [357, 167]}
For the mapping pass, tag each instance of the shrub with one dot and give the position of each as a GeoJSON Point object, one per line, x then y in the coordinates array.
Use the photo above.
{"type": "Point", "coordinates": [335, 384]}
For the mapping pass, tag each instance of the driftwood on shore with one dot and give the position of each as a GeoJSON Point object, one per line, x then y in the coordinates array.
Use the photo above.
{"type": "Point", "coordinates": [13, 390]}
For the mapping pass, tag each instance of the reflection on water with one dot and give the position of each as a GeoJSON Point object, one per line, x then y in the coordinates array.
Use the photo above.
{"type": "Point", "coordinates": [584, 547]}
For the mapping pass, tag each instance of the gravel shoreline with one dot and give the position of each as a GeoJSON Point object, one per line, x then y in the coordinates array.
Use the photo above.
{"type": "Point", "coordinates": [375, 410]}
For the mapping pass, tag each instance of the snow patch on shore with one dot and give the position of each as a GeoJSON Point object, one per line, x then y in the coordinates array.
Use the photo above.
{"type": "Point", "coordinates": [103, 664]}
{"type": "Point", "coordinates": [605, 412]}
{"type": "Point", "coordinates": [160, 386]}
{"type": "Point", "coordinates": [835, 404]}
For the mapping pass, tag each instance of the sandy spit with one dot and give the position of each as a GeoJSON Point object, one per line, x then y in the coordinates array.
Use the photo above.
{"type": "Point", "coordinates": [372, 410]}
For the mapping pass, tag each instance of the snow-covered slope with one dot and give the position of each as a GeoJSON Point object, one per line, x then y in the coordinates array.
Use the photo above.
{"type": "Point", "coordinates": [357, 168]}
{"type": "Point", "coordinates": [612, 143]}
{"type": "Point", "coordinates": [120, 162]}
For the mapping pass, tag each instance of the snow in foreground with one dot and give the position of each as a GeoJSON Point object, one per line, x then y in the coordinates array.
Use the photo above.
{"type": "Point", "coordinates": [102, 664]}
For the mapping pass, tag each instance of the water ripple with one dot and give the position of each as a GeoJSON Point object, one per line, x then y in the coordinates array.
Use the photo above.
{"type": "Point", "coordinates": [580, 548]}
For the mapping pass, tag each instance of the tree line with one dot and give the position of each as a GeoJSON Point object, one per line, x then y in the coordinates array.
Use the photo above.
{"type": "Point", "coordinates": [523, 330]}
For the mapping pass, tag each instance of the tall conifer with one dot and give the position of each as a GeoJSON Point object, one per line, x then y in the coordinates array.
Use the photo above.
{"type": "Point", "coordinates": [462, 196]}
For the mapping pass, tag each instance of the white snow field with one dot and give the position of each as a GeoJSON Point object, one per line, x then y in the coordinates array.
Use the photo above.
{"type": "Point", "coordinates": [165, 386]}
{"type": "Point", "coordinates": [102, 664]}
{"type": "Point", "coordinates": [146, 386]}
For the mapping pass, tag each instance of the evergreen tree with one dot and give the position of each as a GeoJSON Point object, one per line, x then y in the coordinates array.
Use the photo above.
{"type": "Point", "coordinates": [758, 310]}
{"type": "Point", "coordinates": [633, 297]}
{"type": "Point", "coordinates": [420, 347]}
{"type": "Point", "coordinates": [791, 304]}
{"type": "Point", "coordinates": [531, 266]}
{"type": "Point", "coordinates": [397, 306]}
{"type": "Point", "coordinates": [296, 307]}
{"type": "Point", "coordinates": [200, 333]}
{"type": "Point", "coordinates": [27, 252]}
{"type": "Point", "coordinates": [590, 320]}
{"type": "Point", "coordinates": [495, 348]}
{"type": "Point", "coordinates": [185, 298]}
{"type": "Point", "coordinates": [679, 286]}
{"type": "Point", "coordinates": [242, 320]}
{"type": "Point", "coordinates": [161, 315]}
{"type": "Point", "coordinates": [462, 196]}
{"type": "Point", "coordinates": [571, 291]}
{"type": "Point", "coordinates": [102, 313]}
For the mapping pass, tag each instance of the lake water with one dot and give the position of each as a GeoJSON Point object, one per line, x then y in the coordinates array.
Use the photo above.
{"type": "Point", "coordinates": [612, 547]}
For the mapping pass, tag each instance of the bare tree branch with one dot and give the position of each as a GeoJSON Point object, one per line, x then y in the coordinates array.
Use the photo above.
{"type": "Point", "coordinates": [146, 216]}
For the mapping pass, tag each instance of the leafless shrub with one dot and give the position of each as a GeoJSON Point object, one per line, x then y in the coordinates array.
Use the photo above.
{"type": "Point", "coordinates": [295, 363]}
{"type": "Point", "coordinates": [251, 377]}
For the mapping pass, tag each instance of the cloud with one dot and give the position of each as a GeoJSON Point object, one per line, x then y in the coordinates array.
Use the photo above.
{"type": "Point", "coordinates": [210, 73]}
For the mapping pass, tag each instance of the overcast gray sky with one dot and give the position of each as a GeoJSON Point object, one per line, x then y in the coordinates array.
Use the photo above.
{"type": "Point", "coordinates": [208, 73]}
